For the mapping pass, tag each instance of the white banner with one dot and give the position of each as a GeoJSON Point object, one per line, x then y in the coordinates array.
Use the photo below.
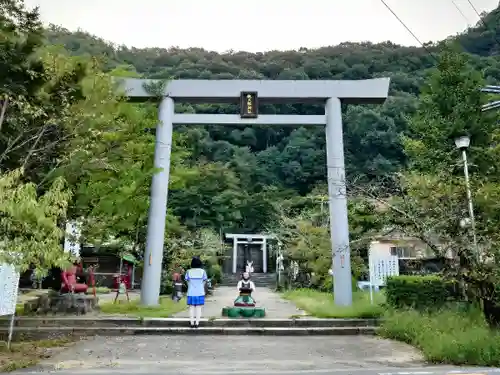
{"type": "Point", "coordinates": [9, 287]}
{"type": "Point", "coordinates": [72, 238]}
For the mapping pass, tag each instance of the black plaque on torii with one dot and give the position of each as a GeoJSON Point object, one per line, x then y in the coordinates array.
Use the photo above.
{"type": "Point", "coordinates": [249, 104]}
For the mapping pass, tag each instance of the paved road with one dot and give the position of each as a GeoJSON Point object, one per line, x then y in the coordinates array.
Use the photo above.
{"type": "Point", "coordinates": [238, 355]}
{"type": "Point", "coordinates": [275, 306]}
{"type": "Point", "coordinates": [403, 371]}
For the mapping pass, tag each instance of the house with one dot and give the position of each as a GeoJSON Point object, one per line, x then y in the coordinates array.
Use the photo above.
{"type": "Point", "coordinates": [413, 254]}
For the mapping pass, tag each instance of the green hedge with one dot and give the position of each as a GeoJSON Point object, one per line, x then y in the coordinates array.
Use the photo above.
{"type": "Point", "coordinates": [420, 292]}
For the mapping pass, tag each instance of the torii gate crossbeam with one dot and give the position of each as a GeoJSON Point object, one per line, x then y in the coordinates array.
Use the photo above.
{"type": "Point", "coordinates": [329, 93]}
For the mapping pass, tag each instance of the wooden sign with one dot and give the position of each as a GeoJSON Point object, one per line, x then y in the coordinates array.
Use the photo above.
{"type": "Point", "coordinates": [249, 105]}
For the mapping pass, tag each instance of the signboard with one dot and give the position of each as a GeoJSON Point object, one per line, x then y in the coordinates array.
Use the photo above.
{"type": "Point", "coordinates": [249, 105]}
{"type": "Point", "coordinates": [381, 268]}
{"type": "Point", "coordinates": [9, 286]}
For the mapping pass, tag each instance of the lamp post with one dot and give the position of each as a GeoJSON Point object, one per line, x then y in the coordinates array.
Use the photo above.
{"type": "Point", "coordinates": [463, 144]}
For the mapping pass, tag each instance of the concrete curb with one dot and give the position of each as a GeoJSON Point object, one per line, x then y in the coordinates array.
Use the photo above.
{"type": "Point", "coordinates": [129, 331]}
{"type": "Point", "coordinates": [128, 322]}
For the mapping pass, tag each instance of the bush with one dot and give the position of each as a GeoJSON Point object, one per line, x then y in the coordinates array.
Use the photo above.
{"type": "Point", "coordinates": [166, 284]}
{"type": "Point", "coordinates": [214, 272]}
{"type": "Point", "coordinates": [447, 336]}
{"type": "Point", "coordinates": [421, 292]}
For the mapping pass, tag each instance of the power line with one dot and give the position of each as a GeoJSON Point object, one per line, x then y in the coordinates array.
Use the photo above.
{"type": "Point", "coordinates": [460, 11]}
{"type": "Point", "coordinates": [486, 26]}
{"type": "Point", "coordinates": [475, 10]}
{"type": "Point", "coordinates": [408, 29]}
{"type": "Point", "coordinates": [402, 23]}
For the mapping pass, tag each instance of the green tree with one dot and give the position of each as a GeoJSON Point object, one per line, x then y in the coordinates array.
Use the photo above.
{"type": "Point", "coordinates": [450, 106]}
{"type": "Point", "coordinates": [29, 223]}
{"type": "Point", "coordinates": [37, 92]}
{"type": "Point", "coordinates": [111, 167]}
{"type": "Point", "coordinates": [429, 201]}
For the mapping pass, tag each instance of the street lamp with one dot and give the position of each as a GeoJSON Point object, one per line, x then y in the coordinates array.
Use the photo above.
{"type": "Point", "coordinates": [463, 144]}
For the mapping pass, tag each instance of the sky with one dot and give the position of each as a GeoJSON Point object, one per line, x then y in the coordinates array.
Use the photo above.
{"type": "Point", "coordinates": [261, 25]}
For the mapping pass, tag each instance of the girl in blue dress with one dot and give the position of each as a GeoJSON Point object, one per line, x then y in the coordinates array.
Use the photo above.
{"type": "Point", "coordinates": [196, 278]}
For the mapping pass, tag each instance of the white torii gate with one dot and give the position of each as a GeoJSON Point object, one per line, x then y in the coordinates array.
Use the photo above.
{"type": "Point", "coordinates": [249, 93]}
{"type": "Point", "coordinates": [245, 239]}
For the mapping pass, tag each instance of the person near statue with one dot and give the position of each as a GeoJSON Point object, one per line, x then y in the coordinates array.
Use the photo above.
{"type": "Point", "coordinates": [196, 277]}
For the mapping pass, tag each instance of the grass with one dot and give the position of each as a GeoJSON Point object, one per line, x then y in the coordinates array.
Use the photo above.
{"type": "Point", "coordinates": [166, 308]}
{"type": "Point", "coordinates": [454, 336]}
{"type": "Point", "coordinates": [20, 309]}
{"type": "Point", "coordinates": [26, 354]}
{"type": "Point", "coordinates": [99, 290]}
{"type": "Point", "coordinates": [321, 305]}
{"type": "Point", "coordinates": [35, 293]}
{"type": "Point", "coordinates": [450, 336]}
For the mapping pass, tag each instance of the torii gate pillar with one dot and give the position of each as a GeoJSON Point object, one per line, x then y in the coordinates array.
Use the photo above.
{"type": "Point", "coordinates": [329, 93]}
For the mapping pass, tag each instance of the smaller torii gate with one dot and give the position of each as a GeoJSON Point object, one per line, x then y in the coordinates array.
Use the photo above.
{"type": "Point", "coordinates": [247, 239]}
{"type": "Point", "coordinates": [249, 93]}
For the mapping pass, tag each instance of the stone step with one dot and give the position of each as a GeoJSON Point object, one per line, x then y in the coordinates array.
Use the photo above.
{"type": "Point", "coordinates": [114, 322]}
{"type": "Point", "coordinates": [257, 275]}
{"type": "Point", "coordinates": [260, 279]}
{"type": "Point", "coordinates": [225, 331]}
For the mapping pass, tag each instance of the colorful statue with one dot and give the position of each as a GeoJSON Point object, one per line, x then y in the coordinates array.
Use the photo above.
{"type": "Point", "coordinates": [249, 267]}
{"type": "Point", "coordinates": [244, 304]}
{"type": "Point", "coordinates": [246, 287]}
{"type": "Point", "coordinates": [279, 262]}
{"type": "Point", "coordinates": [69, 282]}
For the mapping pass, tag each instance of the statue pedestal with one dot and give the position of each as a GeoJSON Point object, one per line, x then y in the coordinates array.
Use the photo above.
{"type": "Point", "coordinates": [244, 306]}
{"type": "Point", "coordinates": [243, 312]}
{"type": "Point", "coordinates": [62, 303]}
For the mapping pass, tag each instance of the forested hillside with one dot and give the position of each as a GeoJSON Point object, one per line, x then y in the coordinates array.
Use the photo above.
{"type": "Point", "coordinates": [68, 134]}
{"type": "Point", "coordinates": [284, 157]}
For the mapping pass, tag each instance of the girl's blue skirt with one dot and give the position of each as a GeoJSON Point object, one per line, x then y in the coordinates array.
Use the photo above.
{"type": "Point", "coordinates": [196, 300]}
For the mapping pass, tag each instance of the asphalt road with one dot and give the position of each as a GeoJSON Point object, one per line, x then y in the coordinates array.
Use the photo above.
{"type": "Point", "coordinates": [374, 371]}
{"type": "Point", "coordinates": [239, 355]}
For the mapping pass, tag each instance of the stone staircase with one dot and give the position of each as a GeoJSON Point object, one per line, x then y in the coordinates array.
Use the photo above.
{"type": "Point", "coordinates": [260, 279]}
{"type": "Point", "coordinates": [45, 327]}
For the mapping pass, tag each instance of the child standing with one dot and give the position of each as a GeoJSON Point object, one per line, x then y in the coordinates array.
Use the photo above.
{"type": "Point", "coordinates": [196, 278]}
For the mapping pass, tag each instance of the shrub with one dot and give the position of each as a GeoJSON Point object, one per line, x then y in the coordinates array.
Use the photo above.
{"type": "Point", "coordinates": [451, 336]}
{"type": "Point", "coordinates": [166, 284]}
{"type": "Point", "coordinates": [326, 284]}
{"type": "Point", "coordinates": [214, 272]}
{"type": "Point", "coordinates": [421, 292]}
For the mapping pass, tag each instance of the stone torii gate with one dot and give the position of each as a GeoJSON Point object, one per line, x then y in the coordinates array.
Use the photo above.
{"type": "Point", "coordinates": [251, 93]}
